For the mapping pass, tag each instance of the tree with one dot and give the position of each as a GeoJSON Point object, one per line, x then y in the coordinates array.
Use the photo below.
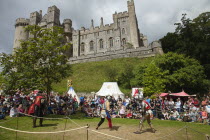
{"type": "Point", "coordinates": [171, 72]}
{"type": "Point", "coordinates": [39, 62]}
{"type": "Point", "coordinates": [154, 79]}
{"type": "Point", "coordinates": [111, 73]}
{"type": "Point", "coordinates": [192, 38]}
{"type": "Point", "coordinates": [124, 78]}
{"type": "Point", "coordinates": [182, 73]}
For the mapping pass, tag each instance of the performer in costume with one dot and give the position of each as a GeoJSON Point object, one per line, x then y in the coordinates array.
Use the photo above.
{"type": "Point", "coordinates": [39, 106]}
{"type": "Point", "coordinates": [105, 108]}
{"type": "Point", "coordinates": [145, 111]}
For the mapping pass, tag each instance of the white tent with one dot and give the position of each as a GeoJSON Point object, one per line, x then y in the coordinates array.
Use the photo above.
{"type": "Point", "coordinates": [110, 89]}
{"type": "Point", "coordinates": [73, 93]}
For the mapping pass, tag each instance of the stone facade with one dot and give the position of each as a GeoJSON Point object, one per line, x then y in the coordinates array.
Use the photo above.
{"type": "Point", "coordinates": [122, 38]}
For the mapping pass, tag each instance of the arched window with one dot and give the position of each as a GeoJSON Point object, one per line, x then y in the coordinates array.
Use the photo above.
{"type": "Point", "coordinates": [123, 41]}
{"type": "Point", "coordinates": [101, 43]}
{"type": "Point", "coordinates": [82, 47]}
{"type": "Point", "coordinates": [111, 42]}
{"type": "Point", "coordinates": [123, 31]}
{"type": "Point", "coordinates": [91, 45]}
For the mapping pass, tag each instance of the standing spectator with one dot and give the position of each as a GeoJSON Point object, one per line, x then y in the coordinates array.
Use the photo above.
{"type": "Point", "coordinates": [178, 105]}
{"type": "Point", "coordinates": [204, 116]}
{"type": "Point", "coordinates": [196, 103]}
{"type": "Point", "coordinates": [208, 111]}
{"type": "Point", "coordinates": [148, 100]}
{"type": "Point", "coordinates": [171, 104]}
{"type": "Point", "coordinates": [127, 100]}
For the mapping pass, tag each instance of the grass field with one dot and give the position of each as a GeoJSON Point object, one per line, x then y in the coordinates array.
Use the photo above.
{"type": "Point", "coordinates": [89, 77]}
{"type": "Point", "coordinates": [123, 128]}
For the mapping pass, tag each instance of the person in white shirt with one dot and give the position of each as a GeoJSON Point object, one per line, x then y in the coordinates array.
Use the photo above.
{"type": "Point", "coordinates": [13, 112]}
{"type": "Point", "coordinates": [178, 105]}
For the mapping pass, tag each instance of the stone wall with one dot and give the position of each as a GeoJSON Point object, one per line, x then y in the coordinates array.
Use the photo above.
{"type": "Point", "coordinates": [141, 52]}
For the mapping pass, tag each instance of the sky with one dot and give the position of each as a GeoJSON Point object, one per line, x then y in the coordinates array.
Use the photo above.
{"type": "Point", "coordinates": [155, 17]}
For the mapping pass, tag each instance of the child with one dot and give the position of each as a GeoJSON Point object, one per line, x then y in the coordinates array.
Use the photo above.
{"type": "Point", "coordinates": [204, 116]}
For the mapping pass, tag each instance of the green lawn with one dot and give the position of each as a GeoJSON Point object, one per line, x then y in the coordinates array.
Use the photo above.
{"type": "Point", "coordinates": [123, 128]}
{"type": "Point", "coordinates": [89, 77]}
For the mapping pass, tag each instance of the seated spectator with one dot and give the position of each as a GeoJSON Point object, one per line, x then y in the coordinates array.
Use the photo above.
{"type": "Point", "coordinates": [165, 115]}
{"type": "Point", "coordinates": [13, 111]}
{"type": "Point", "coordinates": [174, 115]}
{"type": "Point", "coordinates": [122, 111]}
{"type": "Point", "coordinates": [20, 108]}
{"type": "Point", "coordinates": [185, 107]}
{"type": "Point", "coordinates": [186, 117]}
{"type": "Point", "coordinates": [89, 112]}
{"type": "Point", "coordinates": [69, 110]}
{"type": "Point", "coordinates": [193, 115]}
{"type": "Point", "coordinates": [199, 115]}
{"type": "Point", "coordinates": [5, 109]}
{"type": "Point", "coordinates": [180, 118]}
{"type": "Point", "coordinates": [2, 116]}
{"type": "Point", "coordinates": [129, 114]}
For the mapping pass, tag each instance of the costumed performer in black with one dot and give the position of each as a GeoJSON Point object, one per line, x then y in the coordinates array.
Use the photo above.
{"type": "Point", "coordinates": [105, 112]}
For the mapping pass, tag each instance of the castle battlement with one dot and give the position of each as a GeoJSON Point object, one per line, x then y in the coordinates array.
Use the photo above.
{"type": "Point", "coordinates": [121, 14]}
{"type": "Point", "coordinates": [22, 22]}
{"type": "Point", "coordinates": [53, 8]}
{"type": "Point", "coordinates": [67, 21]}
{"type": "Point", "coordinates": [35, 14]}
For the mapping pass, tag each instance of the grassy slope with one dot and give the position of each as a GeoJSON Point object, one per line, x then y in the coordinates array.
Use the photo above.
{"type": "Point", "coordinates": [89, 77]}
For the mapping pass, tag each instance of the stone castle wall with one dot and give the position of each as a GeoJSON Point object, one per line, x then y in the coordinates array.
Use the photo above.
{"type": "Point", "coordinates": [122, 38]}
{"type": "Point", "coordinates": [139, 53]}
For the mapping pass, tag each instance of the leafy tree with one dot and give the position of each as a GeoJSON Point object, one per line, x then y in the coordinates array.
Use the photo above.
{"type": "Point", "coordinates": [124, 78]}
{"type": "Point", "coordinates": [111, 73]}
{"type": "Point", "coordinates": [192, 37]}
{"type": "Point", "coordinates": [182, 73]}
{"type": "Point", "coordinates": [171, 72]}
{"type": "Point", "coordinates": [39, 62]}
{"type": "Point", "coordinates": [154, 79]}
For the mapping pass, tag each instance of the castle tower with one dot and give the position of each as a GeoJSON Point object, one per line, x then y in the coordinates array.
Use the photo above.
{"type": "Point", "coordinates": [67, 23]}
{"type": "Point", "coordinates": [134, 31]}
{"type": "Point", "coordinates": [35, 18]}
{"type": "Point", "coordinates": [20, 33]}
{"type": "Point", "coordinates": [53, 14]}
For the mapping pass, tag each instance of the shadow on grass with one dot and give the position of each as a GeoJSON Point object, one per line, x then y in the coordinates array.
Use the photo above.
{"type": "Point", "coordinates": [146, 130]}
{"type": "Point", "coordinates": [49, 125]}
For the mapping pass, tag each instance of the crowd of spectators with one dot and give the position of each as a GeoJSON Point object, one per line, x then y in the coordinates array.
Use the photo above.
{"type": "Point", "coordinates": [164, 108]}
{"type": "Point", "coordinates": [189, 110]}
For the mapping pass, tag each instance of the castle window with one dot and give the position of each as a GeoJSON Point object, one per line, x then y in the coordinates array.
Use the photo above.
{"type": "Point", "coordinates": [98, 33]}
{"type": "Point", "coordinates": [123, 31]}
{"type": "Point", "coordinates": [101, 43]}
{"type": "Point", "coordinates": [91, 45]}
{"type": "Point", "coordinates": [111, 42]}
{"type": "Point", "coordinates": [108, 32]}
{"type": "Point", "coordinates": [82, 47]}
{"type": "Point", "coordinates": [123, 41]}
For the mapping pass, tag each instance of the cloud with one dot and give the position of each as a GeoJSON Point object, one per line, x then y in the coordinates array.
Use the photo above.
{"type": "Point", "coordinates": [155, 18]}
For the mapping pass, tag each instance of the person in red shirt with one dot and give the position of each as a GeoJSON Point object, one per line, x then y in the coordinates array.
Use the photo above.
{"type": "Point", "coordinates": [39, 106]}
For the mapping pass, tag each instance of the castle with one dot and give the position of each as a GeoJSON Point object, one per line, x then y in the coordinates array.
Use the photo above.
{"type": "Point", "coordinates": [119, 39]}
